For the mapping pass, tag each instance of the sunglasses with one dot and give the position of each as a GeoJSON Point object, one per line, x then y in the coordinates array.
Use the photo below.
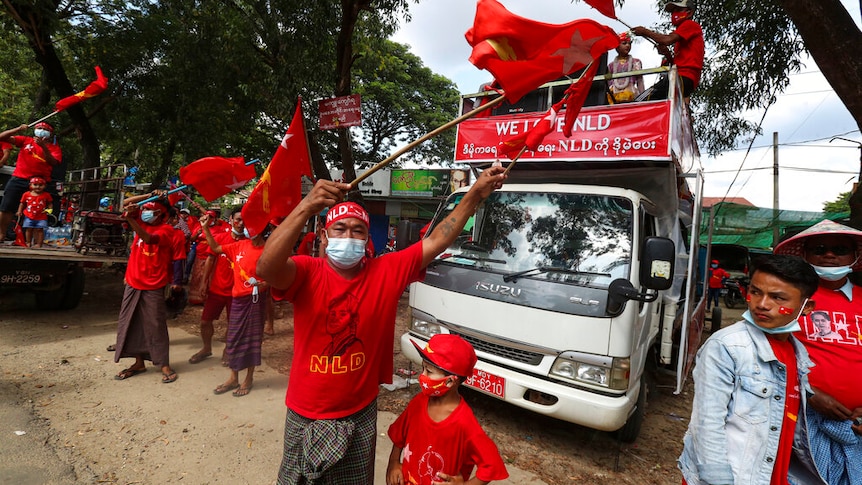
{"type": "Point", "coordinates": [822, 249]}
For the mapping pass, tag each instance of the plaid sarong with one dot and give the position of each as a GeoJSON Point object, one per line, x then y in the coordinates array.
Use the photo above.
{"type": "Point", "coordinates": [332, 452]}
{"type": "Point", "coordinates": [245, 331]}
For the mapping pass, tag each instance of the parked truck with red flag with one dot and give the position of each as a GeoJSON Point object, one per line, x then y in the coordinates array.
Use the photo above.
{"type": "Point", "coordinates": [574, 281]}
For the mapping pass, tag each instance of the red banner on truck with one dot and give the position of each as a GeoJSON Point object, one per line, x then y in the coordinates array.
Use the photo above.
{"type": "Point", "coordinates": [632, 132]}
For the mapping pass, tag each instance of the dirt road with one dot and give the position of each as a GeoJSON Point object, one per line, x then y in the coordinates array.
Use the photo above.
{"type": "Point", "coordinates": [82, 426]}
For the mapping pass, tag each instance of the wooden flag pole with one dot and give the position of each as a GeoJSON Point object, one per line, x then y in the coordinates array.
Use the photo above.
{"type": "Point", "coordinates": [512, 163]}
{"type": "Point", "coordinates": [423, 138]}
{"type": "Point", "coordinates": [31, 125]}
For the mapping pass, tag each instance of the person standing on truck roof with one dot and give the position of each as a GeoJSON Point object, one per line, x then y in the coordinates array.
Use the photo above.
{"type": "Point", "coordinates": [220, 280]}
{"type": "Point", "coordinates": [835, 412]}
{"type": "Point", "coordinates": [142, 331]}
{"type": "Point", "coordinates": [37, 157]}
{"type": "Point", "coordinates": [625, 89]}
{"type": "Point", "coordinates": [717, 275]}
{"type": "Point", "coordinates": [344, 302]}
{"type": "Point", "coordinates": [688, 47]}
{"type": "Point", "coordinates": [751, 385]}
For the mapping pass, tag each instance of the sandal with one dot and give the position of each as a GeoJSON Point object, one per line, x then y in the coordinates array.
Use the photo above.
{"type": "Point", "coordinates": [221, 388]}
{"type": "Point", "coordinates": [242, 391]}
{"type": "Point", "coordinates": [168, 378]}
{"type": "Point", "coordinates": [126, 373]}
{"type": "Point", "coordinates": [199, 357]}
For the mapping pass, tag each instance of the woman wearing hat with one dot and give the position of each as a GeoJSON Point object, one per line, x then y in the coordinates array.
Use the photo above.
{"type": "Point", "coordinates": [625, 89]}
{"type": "Point", "coordinates": [835, 411]}
{"type": "Point", "coordinates": [37, 156]}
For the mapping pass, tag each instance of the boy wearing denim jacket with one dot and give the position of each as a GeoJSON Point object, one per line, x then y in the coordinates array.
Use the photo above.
{"type": "Point", "coordinates": [750, 383]}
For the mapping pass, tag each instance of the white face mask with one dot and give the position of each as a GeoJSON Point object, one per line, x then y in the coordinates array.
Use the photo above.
{"type": "Point", "coordinates": [832, 273]}
{"type": "Point", "coordinates": [345, 252]}
{"type": "Point", "coordinates": [41, 133]}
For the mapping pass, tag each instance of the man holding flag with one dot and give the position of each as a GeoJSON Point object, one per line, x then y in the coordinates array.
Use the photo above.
{"type": "Point", "coordinates": [37, 157]}
{"type": "Point", "coordinates": [344, 326]}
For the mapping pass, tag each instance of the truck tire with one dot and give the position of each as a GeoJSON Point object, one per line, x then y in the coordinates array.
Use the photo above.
{"type": "Point", "coordinates": [715, 320]}
{"type": "Point", "coordinates": [74, 289]}
{"type": "Point", "coordinates": [50, 300]}
{"type": "Point", "coordinates": [630, 431]}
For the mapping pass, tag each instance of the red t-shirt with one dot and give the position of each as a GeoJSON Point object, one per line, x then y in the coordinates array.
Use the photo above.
{"type": "Point", "coordinates": [35, 205]}
{"type": "Point", "coordinates": [4, 146]}
{"type": "Point", "coordinates": [688, 52]}
{"type": "Point", "coordinates": [179, 244]}
{"type": "Point", "coordinates": [838, 361]}
{"type": "Point", "coordinates": [306, 245]}
{"type": "Point", "coordinates": [243, 256]}
{"type": "Point", "coordinates": [454, 446]}
{"type": "Point", "coordinates": [783, 351]}
{"type": "Point", "coordinates": [31, 161]}
{"type": "Point", "coordinates": [716, 276]}
{"type": "Point", "coordinates": [344, 331]}
{"type": "Point", "coordinates": [203, 249]}
{"type": "Point", "coordinates": [221, 282]}
{"type": "Point", "coordinates": [149, 266]}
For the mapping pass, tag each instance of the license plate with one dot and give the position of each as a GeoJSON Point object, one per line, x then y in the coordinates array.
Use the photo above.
{"type": "Point", "coordinates": [20, 277]}
{"type": "Point", "coordinates": [487, 382]}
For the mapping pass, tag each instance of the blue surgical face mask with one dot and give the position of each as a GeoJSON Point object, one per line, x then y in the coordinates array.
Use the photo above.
{"type": "Point", "coordinates": [148, 216]}
{"type": "Point", "coordinates": [791, 327]}
{"type": "Point", "coordinates": [832, 273]}
{"type": "Point", "coordinates": [245, 233]}
{"type": "Point", "coordinates": [41, 133]}
{"type": "Point", "coordinates": [345, 252]}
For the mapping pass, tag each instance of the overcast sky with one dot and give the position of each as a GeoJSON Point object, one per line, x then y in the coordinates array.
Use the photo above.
{"type": "Point", "coordinates": [812, 170]}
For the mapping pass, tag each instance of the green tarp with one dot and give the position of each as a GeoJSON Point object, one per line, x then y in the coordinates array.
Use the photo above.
{"type": "Point", "coordinates": [752, 227]}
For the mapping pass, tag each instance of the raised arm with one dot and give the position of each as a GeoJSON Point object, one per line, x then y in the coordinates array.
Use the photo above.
{"type": "Point", "coordinates": [205, 225]}
{"type": "Point", "coordinates": [447, 230]}
{"type": "Point", "coordinates": [275, 265]}
{"type": "Point", "coordinates": [6, 135]}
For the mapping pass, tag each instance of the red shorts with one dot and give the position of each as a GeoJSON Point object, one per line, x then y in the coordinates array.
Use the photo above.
{"type": "Point", "coordinates": [213, 306]}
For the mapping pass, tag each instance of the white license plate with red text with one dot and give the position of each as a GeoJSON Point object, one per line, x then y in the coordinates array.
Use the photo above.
{"type": "Point", "coordinates": [487, 382]}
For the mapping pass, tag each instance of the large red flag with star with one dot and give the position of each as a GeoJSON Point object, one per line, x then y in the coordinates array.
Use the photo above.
{"type": "Point", "coordinates": [523, 54]}
{"type": "Point", "coordinates": [280, 188]}
{"type": "Point", "coordinates": [214, 177]}
{"type": "Point", "coordinates": [94, 89]}
{"type": "Point", "coordinates": [532, 138]}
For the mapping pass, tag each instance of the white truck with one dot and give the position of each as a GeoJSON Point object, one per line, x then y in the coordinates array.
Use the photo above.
{"type": "Point", "coordinates": [573, 282]}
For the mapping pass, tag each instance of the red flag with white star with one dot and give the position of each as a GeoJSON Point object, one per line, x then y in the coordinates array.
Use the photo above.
{"type": "Point", "coordinates": [605, 7]}
{"type": "Point", "coordinates": [280, 188]}
{"type": "Point", "coordinates": [575, 96]}
{"type": "Point", "coordinates": [214, 177]}
{"type": "Point", "coordinates": [95, 88]}
{"type": "Point", "coordinates": [523, 54]}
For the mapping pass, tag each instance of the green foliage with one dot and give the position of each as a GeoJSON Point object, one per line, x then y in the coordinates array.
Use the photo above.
{"type": "Point", "coordinates": [839, 205]}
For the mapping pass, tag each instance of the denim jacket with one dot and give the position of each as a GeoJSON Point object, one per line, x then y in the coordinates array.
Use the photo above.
{"type": "Point", "coordinates": [738, 409]}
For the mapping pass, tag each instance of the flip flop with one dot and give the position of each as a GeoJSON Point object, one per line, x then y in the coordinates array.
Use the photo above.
{"type": "Point", "coordinates": [126, 373]}
{"type": "Point", "coordinates": [168, 378]}
{"type": "Point", "coordinates": [242, 391]}
{"type": "Point", "coordinates": [221, 388]}
{"type": "Point", "coordinates": [199, 357]}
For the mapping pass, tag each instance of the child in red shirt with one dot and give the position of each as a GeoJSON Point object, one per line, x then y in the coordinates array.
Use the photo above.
{"type": "Point", "coordinates": [437, 439]}
{"type": "Point", "coordinates": [32, 207]}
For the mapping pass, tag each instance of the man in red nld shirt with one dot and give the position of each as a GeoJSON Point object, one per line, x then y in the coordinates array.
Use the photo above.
{"type": "Point", "coordinates": [37, 157]}
{"type": "Point", "coordinates": [688, 46]}
{"type": "Point", "coordinates": [142, 330]}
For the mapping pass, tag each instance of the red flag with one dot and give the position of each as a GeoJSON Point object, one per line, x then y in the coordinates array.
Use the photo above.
{"type": "Point", "coordinates": [605, 7]}
{"type": "Point", "coordinates": [20, 240]}
{"type": "Point", "coordinates": [214, 177]}
{"type": "Point", "coordinates": [94, 89]}
{"type": "Point", "coordinates": [176, 196]}
{"type": "Point", "coordinates": [533, 137]}
{"type": "Point", "coordinates": [575, 96]}
{"type": "Point", "coordinates": [523, 54]}
{"type": "Point", "coordinates": [280, 188]}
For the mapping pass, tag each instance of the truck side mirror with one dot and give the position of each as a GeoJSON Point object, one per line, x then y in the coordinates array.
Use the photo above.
{"type": "Point", "coordinates": [657, 260]}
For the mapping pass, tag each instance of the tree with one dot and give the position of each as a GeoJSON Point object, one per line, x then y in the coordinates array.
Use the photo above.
{"type": "Point", "coordinates": [839, 205]}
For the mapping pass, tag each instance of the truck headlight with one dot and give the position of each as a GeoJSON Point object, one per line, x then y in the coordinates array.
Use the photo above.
{"type": "Point", "coordinates": [424, 325]}
{"type": "Point", "coordinates": [612, 375]}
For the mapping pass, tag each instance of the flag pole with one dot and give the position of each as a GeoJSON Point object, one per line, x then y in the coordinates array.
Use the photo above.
{"type": "Point", "coordinates": [512, 163]}
{"type": "Point", "coordinates": [41, 119]}
{"type": "Point", "coordinates": [423, 138]}
{"type": "Point", "coordinates": [631, 28]}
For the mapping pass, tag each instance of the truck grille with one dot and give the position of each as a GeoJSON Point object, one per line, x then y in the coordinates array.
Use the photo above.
{"type": "Point", "coordinates": [518, 355]}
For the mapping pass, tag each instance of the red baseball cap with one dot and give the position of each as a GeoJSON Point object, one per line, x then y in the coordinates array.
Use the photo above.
{"type": "Point", "coordinates": [449, 352]}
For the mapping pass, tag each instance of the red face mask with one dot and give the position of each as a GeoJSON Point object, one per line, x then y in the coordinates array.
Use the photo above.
{"type": "Point", "coordinates": [433, 387]}
{"type": "Point", "coordinates": [676, 18]}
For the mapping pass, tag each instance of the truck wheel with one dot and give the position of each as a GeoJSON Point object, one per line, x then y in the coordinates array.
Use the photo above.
{"type": "Point", "coordinates": [630, 431]}
{"type": "Point", "coordinates": [74, 289]}
{"type": "Point", "coordinates": [715, 320]}
{"type": "Point", "coordinates": [50, 300]}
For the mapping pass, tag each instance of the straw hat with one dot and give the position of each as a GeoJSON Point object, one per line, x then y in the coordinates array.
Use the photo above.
{"type": "Point", "coordinates": [795, 245]}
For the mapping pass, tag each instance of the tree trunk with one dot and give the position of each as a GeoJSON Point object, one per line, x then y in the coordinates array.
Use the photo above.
{"type": "Point", "coordinates": [831, 37]}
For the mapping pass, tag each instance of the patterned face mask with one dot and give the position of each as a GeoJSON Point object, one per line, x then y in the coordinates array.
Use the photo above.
{"type": "Point", "coordinates": [433, 387]}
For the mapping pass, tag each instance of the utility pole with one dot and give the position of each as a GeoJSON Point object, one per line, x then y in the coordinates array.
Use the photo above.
{"type": "Point", "coordinates": [775, 225]}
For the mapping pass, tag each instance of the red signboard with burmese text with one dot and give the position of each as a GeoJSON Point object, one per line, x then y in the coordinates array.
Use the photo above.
{"type": "Point", "coordinates": [632, 132]}
{"type": "Point", "coordinates": [340, 112]}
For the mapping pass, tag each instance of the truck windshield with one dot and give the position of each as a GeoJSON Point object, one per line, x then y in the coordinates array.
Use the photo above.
{"type": "Point", "coordinates": [571, 238]}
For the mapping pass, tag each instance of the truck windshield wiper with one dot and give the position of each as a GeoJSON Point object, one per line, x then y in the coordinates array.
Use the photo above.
{"type": "Point", "coordinates": [510, 278]}
{"type": "Point", "coordinates": [464, 256]}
